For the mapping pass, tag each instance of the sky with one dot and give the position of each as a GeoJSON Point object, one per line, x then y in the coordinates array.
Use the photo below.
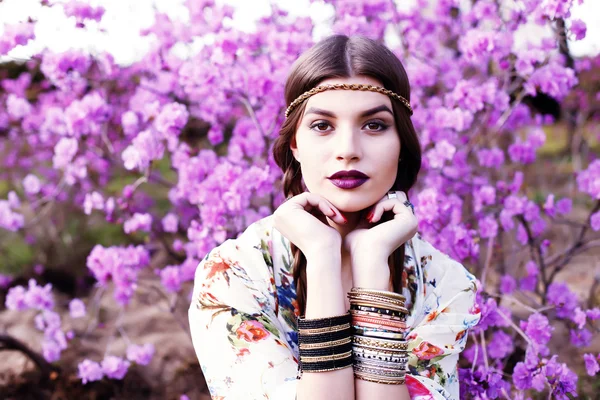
{"type": "Point", "coordinates": [124, 19]}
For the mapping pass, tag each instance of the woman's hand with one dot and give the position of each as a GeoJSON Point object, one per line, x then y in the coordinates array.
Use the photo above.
{"type": "Point", "coordinates": [370, 245]}
{"type": "Point", "coordinates": [301, 219]}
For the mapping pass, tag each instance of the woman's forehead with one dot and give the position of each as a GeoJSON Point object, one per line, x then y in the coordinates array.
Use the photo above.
{"type": "Point", "coordinates": [347, 102]}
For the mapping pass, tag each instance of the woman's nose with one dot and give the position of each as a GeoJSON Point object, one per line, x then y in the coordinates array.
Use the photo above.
{"type": "Point", "coordinates": [347, 145]}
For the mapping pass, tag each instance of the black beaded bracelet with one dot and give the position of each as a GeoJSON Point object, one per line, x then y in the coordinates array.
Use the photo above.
{"type": "Point", "coordinates": [325, 337]}
{"type": "Point", "coordinates": [323, 322]}
{"type": "Point", "coordinates": [328, 351]}
{"type": "Point", "coordinates": [326, 365]}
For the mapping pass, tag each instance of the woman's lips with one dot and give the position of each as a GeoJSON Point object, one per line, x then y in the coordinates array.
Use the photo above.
{"type": "Point", "coordinates": [348, 183]}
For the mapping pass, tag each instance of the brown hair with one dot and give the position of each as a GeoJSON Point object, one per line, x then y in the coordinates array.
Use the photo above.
{"type": "Point", "coordinates": [341, 56]}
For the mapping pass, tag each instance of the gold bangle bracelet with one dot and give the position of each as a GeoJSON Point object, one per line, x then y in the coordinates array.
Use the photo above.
{"type": "Point", "coordinates": [378, 292]}
{"type": "Point", "coordinates": [370, 378]}
{"type": "Point", "coordinates": [315, 331]}
{"type": "Point", "coordinates": [380, 343]}
{"type": "Point", "coordinates": [379, 299]}
{"type": "Point", "coordinates": [380, 349]}
{"type": "Point", "coordinates": [327, 358]}
{"type": "Point", "coordinates": [324, 345]}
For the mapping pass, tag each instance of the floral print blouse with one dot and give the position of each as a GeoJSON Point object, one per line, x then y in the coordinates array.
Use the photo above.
{"type": "Point", "coordinates": [243, 317]}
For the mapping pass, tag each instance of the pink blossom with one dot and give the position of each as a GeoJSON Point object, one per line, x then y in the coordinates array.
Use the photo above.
{"type": "Point", "coordinates": [77, 308]}
{"type": "Point", "coordinates": [89, 371]}
{"type": "Point", "coordinates": [169, 223]}
{"type": "Point", "coordinates": [115, 367]}
{"type": "Point", "coordinates": [578, 28]}
{"type": "Point", "coordinates": [138, 222]}
{"type": "Point", "coordinates": [140, 354]}
{"type": "Point", "coordinates": [595, 221]}
{"type": "Point", "coordinates": [32, 184]}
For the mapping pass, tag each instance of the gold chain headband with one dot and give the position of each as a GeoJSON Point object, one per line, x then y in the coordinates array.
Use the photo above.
{"type": "Point", "coordinates": [347, 86]}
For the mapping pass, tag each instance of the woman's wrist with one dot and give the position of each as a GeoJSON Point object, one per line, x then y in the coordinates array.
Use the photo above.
{"type": "Point", "coordinates": [371, 273]}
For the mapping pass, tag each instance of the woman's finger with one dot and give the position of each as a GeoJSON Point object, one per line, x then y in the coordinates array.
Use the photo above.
{"type": "Point", "coordinates": [394, 205]}
{"type": "Point", "coordinates": [311, 200]}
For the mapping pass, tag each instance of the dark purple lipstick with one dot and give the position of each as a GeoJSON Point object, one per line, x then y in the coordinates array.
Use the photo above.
{"type": "Point", "coordinates": [348, 179]}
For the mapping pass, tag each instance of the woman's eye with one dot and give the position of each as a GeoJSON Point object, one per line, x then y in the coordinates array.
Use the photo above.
{"type": "Point", "coordinates": [320, 126]}
{"type": "Point", "coordinates": [376, 126]}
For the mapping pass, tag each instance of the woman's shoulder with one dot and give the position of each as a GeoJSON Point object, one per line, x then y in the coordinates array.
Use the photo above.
{"type": "Point", "coordinates": [247, 255]}
{"type": "Point", "coordinates": [437, 263]}
{"type": "Point", "coordinates": [236, 273]}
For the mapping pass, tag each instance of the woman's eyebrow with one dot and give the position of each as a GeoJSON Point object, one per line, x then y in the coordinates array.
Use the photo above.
{"type": "Point", "coordinates": [366, 113]}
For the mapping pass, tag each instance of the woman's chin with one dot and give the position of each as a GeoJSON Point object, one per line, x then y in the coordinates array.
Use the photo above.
{"type": "Point", "coordinates": [351, 207]}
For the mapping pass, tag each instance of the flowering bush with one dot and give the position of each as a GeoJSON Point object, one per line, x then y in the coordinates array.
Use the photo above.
{"type": "Point", "coordinates": [174, 151]}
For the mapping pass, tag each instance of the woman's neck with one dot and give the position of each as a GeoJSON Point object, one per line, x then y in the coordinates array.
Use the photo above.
{"type": "Point", "coordinates": [353, 219]}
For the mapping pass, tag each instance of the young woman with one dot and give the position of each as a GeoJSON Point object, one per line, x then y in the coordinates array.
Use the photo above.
{"type": "Point", "coordinates": [335, 295]}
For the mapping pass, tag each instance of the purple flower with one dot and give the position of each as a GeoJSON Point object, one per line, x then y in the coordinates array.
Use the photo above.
{"type": "Point", "coordinates": [82, 11]}
{"type": "Point", "coordinates": [93, 201]}
{"type": "Point", "coordinates": [522, 377]}
{"type": "Point", "coordinates": [140, 354]}
{"type": "Point", "coordinates": [17, 107]}
{"type": "Point", "coordinates": [138, 222]}
{"type": "Point", "coordinates": [115, 367]}
{"type": "Point", "coordinates": [595, 221]}
{"type": "Point", "coordinates": [564, 300]}
{"type": "Point", "coordinates": [67, 70]}
{"type": "Point", "coordinates": [15, 35]}
{"type": "Point", "coordinates": [169, 277]}
{"type": "Point", "coordinates": [501, 345]}
{"type": "Point", "coordinates": [479, 44]}
{"type": "Point", "coordinates": [170, 222]}
{"type": "Point", "coordinates": [10, 220]}
{"type": "Point", "coordinates": [593, 313]}
{"type": "Point", "coordinates": [77, 308]}
{"type": "Point", "coordinates": [51, 351]}
{"type": "Point", "coordinates": [5, 280]}
{"type": "Point", "coordinates": [488, 227]}
{"type": "Point", "coordinates": [591, 364]}
{"type": "Point", "coordinates": [580, 337]}
{"type": "Point", "coordinates": [491, 158]}
{"type": "Point", "coordinates": [578, 28]}
{"type": "Point", "coordinates": [89, 371]}
{"type": "Point", "coordinates": [32, 184]}
{"type": "Point", "coordinates": [171, 120]}
{"type": "Point", "coordinates": [64, 151]}
{"type": "Point", "coordinates": [15, 299]}
{"type": "Point", "coordinates": [130, 122]}
{"type": "Point", "coordinates": [538, 329]}
{"type": "Point", "coordinates": [146, 147]}
{"type": "Point", "coordinates": [563, 206]}
{"type": "Point", "coordinates": [507, 284]}
{"type": "Point", "coordinates": [579, 317]}
{"type": "Point", "coordinates": [588, 180]}
{"type": "Point", "coordinates": [563, 79]}
{"type": "Point", "coordinates": [39, 297]}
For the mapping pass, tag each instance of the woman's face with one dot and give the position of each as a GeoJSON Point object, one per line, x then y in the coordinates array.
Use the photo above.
{"type": "Point", "coordinates": [348, 130]}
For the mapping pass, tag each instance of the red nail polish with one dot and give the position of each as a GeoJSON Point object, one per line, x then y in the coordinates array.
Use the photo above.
{"type": "Point", "coordinates": [369, 216]}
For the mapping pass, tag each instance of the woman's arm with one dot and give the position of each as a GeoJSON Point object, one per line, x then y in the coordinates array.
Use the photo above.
{"type": "Point", "coordinates": [325, 298]}
{"type": "Point", "coordinates": [241, 345]}
{"type": "Point", "coordinates": [366, 390]}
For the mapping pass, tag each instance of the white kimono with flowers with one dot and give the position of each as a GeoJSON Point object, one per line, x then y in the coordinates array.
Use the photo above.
{"type": "Point", "coordinates": [243, 318]}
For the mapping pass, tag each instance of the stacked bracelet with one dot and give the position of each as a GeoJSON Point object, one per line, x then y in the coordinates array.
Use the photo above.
{"type": "Point", "coordinates": [378, 324]}
{"type": "Point", "coordinates": [325, 344]}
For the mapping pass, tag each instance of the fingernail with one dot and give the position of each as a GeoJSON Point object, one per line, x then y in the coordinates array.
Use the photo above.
{"type": "Point", "coordinates": [369, 216]}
